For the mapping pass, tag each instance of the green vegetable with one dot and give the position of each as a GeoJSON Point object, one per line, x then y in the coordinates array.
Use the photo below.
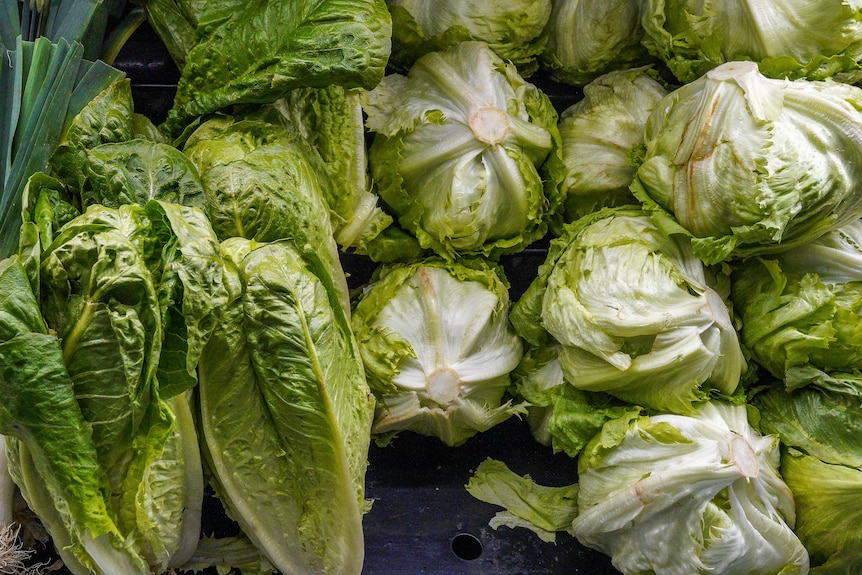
{"type": "Point", "coordinates": [544, 510]}
{"type": "Point", "coordinates": [588, 38]}
{"type": "Point", "coordinates": [255, 52]}
{"type": "Point", "coordinates": [634, 312]}
{"type": "Point", "coordinates": [750, 165]}
{"type": "Point", "coordinates": [688, 494]}
{"type": "Point", "coordinates": [457, 152]}
{"type": "Point", "coordinates": [330, 119]}
{"type": "Point", "coordinates": [438, 347]}
{"type": "Point", "coordinates": [512, 29]}
{"type": "Point", "coordinates": [787, 39]}
{"type": "Point", "coordinates": [800, 309]}
{"type": "Point", "coordinates": [602, 134]}
{"type": "Point", "coordinates": [561, 415]}
{"type": "Point", "coordinates": [261, 183]}
{"type": "Point", "coordinates": [822, 465]}
{"type": "Point", "coordinates": [137, 171]}
{"type": "Point", "coordinates": [286, 411]}
{"type": "Point", "coordinates": [122, 499]}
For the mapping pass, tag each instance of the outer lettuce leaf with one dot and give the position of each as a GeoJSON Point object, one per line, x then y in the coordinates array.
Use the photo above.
{"type": "Point", "coordinates": [191, 291]}
{"type": "Point", "coordinates": [829, 510]}
{"type": "Point", "coordinates": [286, 411]}
{"type": "Point", "coordinates": [788, 39]}
{"type": "Point", "coordinates": [99, 296]}
{"type": "Point", "coordinates": [107, 118]}
{"type": "Point", "coordinates": [50, 445]}
{"type": "Point", "coordinates": [255, 52]}
{"type": "Point", "coordinates": [438, 347]}
{"type": "Point", "coordinates": [330, 118]}
{"type": "Point", "coordinates": [748, 165]}
{"type": "Point", "coordinates": [561, 415]}
{"type": "Point", "coordinates": [800, 309]}
{"type": "Point", "coordinates": [260, 183]}
{"type": "Point", "coordinates": [465, 153]}
{"type": "Point", "coordinates": [673, 494]}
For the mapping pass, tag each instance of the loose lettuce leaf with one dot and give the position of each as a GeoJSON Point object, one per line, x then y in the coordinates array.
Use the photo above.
{"type": "Point", "coordinates": [544, 510]}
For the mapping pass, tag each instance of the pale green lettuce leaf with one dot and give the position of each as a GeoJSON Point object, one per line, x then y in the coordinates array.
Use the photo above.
{"type": "Point", "coordinates": [601, 134]}
{"type": "Point", "coordinates": [512, 29]}
{"type": "Point", "coordinates": [544, 510]}
{"type": "Point", "coordinates": [587, 39]}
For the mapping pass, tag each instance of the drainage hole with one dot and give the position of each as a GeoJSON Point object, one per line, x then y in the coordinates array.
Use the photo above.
{"type": "Point", "coordinates": [466, 546]}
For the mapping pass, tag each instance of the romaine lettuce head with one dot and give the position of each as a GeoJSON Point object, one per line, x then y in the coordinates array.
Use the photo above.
{"type": "Point", "coordinates": [602, 134]}
{"type": "Point", "coordinates": [512, 28]}
{"type": "Point", "coordinates": [285, 410]}
{"type": "Point", "coordinates": [465, 152]}
{"type": "Point", "coordinates": [588, 38]}
{"type": "Point", "coordinates": [788, 39]}
{"type": "Point", "coordinates": [751, 165]}
{"type": "Point", "coordinates": [438, 347]}
{"type": "Point", "coordinates": [675, 494]}
{"type": "Point", "coordinates": [254, 52]}
{"type": "Point", "coordinates": [634, 312]}
{"type": "Point", "coordinates": [261, 183]}
{"type": "Point", "coordinates": [801, 309]}
{"type": "Point", "coordinates": [822, 465]}
{"type": "Point", "coordinates": [112, 471]}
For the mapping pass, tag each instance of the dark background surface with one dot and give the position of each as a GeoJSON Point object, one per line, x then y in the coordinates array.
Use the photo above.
{"type": "Point", "coordinates": [423, 521]}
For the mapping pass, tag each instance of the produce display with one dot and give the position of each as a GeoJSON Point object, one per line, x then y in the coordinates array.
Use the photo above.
{"type": "Point", "coordinates": [586, 296]}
